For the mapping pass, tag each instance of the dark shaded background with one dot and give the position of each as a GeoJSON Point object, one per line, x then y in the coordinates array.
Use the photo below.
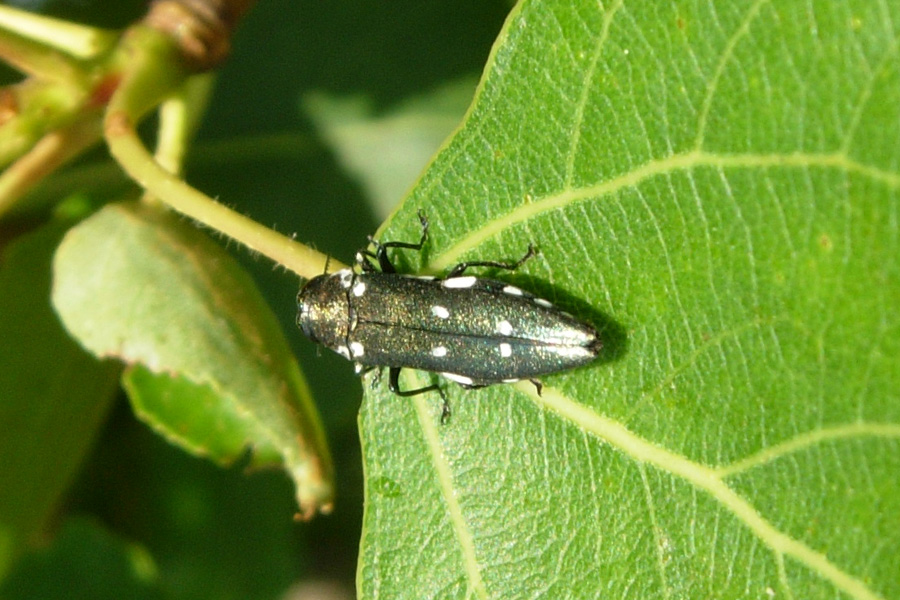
{"type": "Point", "coordinates": [201, 531]}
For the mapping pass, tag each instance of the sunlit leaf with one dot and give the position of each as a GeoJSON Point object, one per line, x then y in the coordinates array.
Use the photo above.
{"type": "Point", "coordinates": [716, 186]}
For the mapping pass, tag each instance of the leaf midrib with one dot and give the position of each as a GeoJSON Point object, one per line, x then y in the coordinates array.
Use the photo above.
{"type": "Point", "coordinates": [708, 479]}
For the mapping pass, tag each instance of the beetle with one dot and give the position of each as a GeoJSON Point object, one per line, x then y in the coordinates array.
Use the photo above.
{"type": "Point", "coordinates": [473, 331]}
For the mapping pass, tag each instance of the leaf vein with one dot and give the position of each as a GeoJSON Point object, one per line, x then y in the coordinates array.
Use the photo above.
{"type": "Point", "coordinates": [704, 478]}
{"type": "Point", "coordinates": [807, 440]}
{"type": "Point", "coordinates": [725, 57]}
{"type": "Point", "coordinates": [585, 92]}
{"type": "Point", "coordinates": [657, 532]}
{"type": "Point", "coordinates": [447, 487]}
{"type": "Point", "coordinates": [676, 162]}
{"type": "Point", "coordinates": [865, 94]}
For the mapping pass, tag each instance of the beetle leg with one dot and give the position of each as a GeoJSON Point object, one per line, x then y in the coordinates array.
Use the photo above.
{"type": "Point", "coordinates": [381, 248]}
{"type": "Point", "coordinates": [362, 258]}
{"type": "Point", "coordinates": [445, 407]}
{"type": "Point", "coordinates": [394, 385]}
{"type": "Point", "coordinates": [376, 378]}
{"type": "Point", "coordinates": [458, 269]}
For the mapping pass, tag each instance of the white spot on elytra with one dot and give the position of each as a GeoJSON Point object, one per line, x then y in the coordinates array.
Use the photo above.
{"type": "Point", "coordinates": [460, 282]}
{"type": "Point", "coordinates": [356, 349]}
{"type": "Point", "coordinates": [440, 312]}
{"type": "Point", "coordinates": [462, 379]}
{"type": "Point", "coordinates": [510, 380]}
{"type": "Point", "coordinates": [512, 290]}
{"type": "Point", "coordinates": [359, 289]}
{"type": "Point", "coordinates": [542, 302]}
{"type": "Point", "coordinates": [343, 351]}
{"type": "Point", "coordinates": [425, 277]}
{"type": "Point", "coordinates": [505, 350]}
{"type": "Point", "coordinates": [572, 351]}
{"type": "Point", "coordinates": [505, 327]}
{"type": "Point", "coordinates": [439, 351]}
{"type": "Point", "coordinates": [346, 276]}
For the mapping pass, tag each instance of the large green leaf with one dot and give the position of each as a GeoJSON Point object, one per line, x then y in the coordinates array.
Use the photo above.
{"type": "Point", "coordinates": [715, 185]}
{"type": "Point", "coordinates": [209, 367]}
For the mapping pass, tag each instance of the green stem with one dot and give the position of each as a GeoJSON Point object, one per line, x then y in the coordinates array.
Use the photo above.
{"type": "Point", "coordinates": [48, 154]}
{"type": "Point", "coordinates": [69, 39]}
{"type": "Point", "coordinates": [137, 162]}
{"type": "Point", "coordinates": [150, 79]}
{"type": "Point", "coordinates": [179, 117]}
